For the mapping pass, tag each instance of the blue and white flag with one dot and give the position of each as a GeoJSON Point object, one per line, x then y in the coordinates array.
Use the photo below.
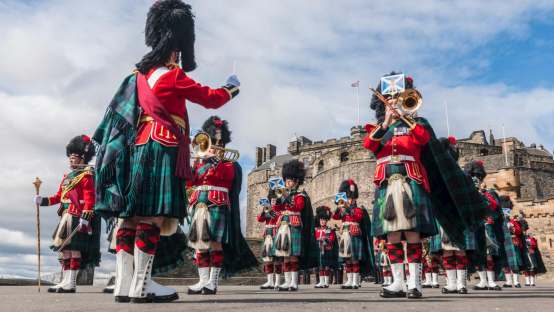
{"type": "Point", "coordinates": [264, 202]}
{"type": "Point", "coordinates": [391, 85]}
{"type": "Point", "coordinates": [276, 183]}
{"type": "Point", "coordinates": [341, 196]}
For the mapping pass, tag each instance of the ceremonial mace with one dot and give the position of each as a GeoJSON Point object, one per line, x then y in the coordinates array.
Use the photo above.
{"type": "Point", "coordinates": [37, 184]}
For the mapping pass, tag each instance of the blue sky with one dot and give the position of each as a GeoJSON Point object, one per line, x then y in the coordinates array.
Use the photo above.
{"type": "Point", "coordinates": [62, 60]}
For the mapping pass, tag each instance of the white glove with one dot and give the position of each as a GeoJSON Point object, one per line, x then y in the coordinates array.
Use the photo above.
{"type": "Point", "coordinates": [233, 80]}
{"type": "Point", "coordinates": [83, 223]}
{"type": "Point", "coordinates": [38, 199]}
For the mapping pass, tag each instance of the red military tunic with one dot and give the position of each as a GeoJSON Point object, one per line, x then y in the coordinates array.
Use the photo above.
{"type": "Point", "coordinates": [400, 147]}
{"type": "Point", "coordinates": [531, 244]}
{"type": "Point", "coordinates": [270, 219]}
{"type": "Point", "coordinates": [172, 88]}
{"type": "Point", "coordinates": [351, 219]}
{"type": "Point", "coordinates": [292, 210]}
{"type": "Point", "coordinates": [515, 229]}
{"type": "Point", "coordinates": [326, 236]}
{"type": "Point", "coordinates": [79, 197]}
{"type": "Point", "coordinates": [214, 178]}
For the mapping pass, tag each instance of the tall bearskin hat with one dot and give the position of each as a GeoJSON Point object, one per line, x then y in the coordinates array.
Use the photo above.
{"type": "Point", "coordinates": [82, 146]}
{"type": "Point", "coordinates": [169, 28]}
{"type": "Point", "coordinates": [476, 168]}
{"type": "Point", "coordinates": [350, 188]}
{"type": "Point", "coordinates": [294, 170]}
{"type": "Point", "coordinates": [506, 202]}
{"type": "Point", "coordinates": [377, 105]}
{"type": "Point", "coordinates": [322, 212]}
{"type": "Point", "coordinates": [448, 144]}
{"type": "Point", "coordinates": [218, 129]}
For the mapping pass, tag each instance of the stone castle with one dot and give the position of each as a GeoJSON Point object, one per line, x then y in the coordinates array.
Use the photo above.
{"type": "Point", "coordinates": [525, 173]}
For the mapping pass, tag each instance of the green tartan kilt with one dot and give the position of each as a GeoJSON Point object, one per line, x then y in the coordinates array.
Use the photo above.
{"type": "Point", "coordinates": [295, 239]}
{"type": "Point", "coordinates": [326, 259]}
{"type": "Point", "coordinates": [271, 233]}
{"type": "Point", "coordinates": [491, 241]}
{"type": "Point", "coordinates": [154, 189]}
{"type": "Point", "coordinates": [424, 219]}
{"type": "Point", "coordinates": [531, 261]}
{"type": "Point", "coordinates": [435, 242]}
{"type": "Point", "coordinates": [171, 253]}
{"type": "Point", "coordinates": [219, 231]}
{"type": "Point", "coordinates": [218, 226]}
{"type": "Point", "coordinates": [356, 249]}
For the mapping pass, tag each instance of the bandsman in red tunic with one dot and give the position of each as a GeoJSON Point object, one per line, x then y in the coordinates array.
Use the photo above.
{"type": "Point", "coordinates": [143, 162]}
{"type": "Point", "coordinates": [325, 246]}
{"type": "Point", "coordinates": [272, 265]}
{"type": "Point", "coordinates": [214, 231]}
{"type": "Point", "coordinates": [292, 241]}
{"type": "Point", "coordinates": [77, 236]}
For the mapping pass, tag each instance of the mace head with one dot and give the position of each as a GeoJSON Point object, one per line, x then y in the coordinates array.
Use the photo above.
{"type": "Point", "coordinates": [37, 184]}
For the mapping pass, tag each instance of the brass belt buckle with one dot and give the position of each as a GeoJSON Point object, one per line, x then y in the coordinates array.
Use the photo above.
{"type": "Point", "coordinates": [395, 158]}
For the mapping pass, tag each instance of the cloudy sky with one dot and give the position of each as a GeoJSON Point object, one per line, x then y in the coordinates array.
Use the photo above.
{"type": "Point", "coordinates": [61, 61]}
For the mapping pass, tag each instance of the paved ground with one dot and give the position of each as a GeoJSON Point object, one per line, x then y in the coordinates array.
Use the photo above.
{"type": "Point", "coordinates": [250, 298]}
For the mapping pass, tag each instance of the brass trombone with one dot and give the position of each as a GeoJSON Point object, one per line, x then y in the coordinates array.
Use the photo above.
{"type": "Point", "coordinates": [202, 143]}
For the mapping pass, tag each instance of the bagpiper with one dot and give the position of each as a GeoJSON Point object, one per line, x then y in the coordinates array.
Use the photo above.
{"type": "Point", "coordinates": [411, 163]}
{"type": "Point", "coordinates": [489, 258]}
{"type": "Point", "coordinates": [514, 234]}
{"type": "Point", "coordinates": [214, 231]}
{"type": "Point", "coordinates": [272, 265]}
{"type": "Point", "coordinates": [354, 237]}
{"type": "Point", "coordinates": [533, 260]}
{"type": "Point", "coordinates": [325, 246]}
{"type": "Point", "coordinates": [77, 236]}
{"type": "Point", "coordinates": [144, 159]}
{"type": "Point", "coordinates": [455, 260]}
{"type": "Point", "coordinates": [295, 227]}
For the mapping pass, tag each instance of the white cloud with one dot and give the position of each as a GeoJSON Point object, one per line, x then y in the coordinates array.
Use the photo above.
{"type": "Point", "coordinates": [15, 238]}
{"type": "Point", "coordinates": [62, 61]}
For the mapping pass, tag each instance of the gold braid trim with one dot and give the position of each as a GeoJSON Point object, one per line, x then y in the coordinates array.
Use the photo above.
{"type": "Point", "coordinates": [74, 182]}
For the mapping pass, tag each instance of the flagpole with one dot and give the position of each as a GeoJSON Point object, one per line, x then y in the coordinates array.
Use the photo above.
{"type": "Point", "coordinates": [447, 121]}
{"type": "Point", "coordinates": [358, 103]}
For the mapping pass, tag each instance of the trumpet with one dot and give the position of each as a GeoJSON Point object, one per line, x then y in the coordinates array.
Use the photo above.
{"type": "Point", "coordinates": [407, 102]}
{"type": "Point", "coordinates": [281, 192]}
{"type": "Point", "coordinates": [202, 144]}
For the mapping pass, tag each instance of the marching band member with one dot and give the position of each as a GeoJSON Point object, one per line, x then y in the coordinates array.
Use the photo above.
{"type": "Point", "coordinates": [215, 232]}
{"type": "Point", "coordinates": [77, 236]}
{"type": "Point", "coordinates": [353, 238]}
{"type": "Point", "coordinates": [325, 244]}
{"type": "Point", "coordinates": [514, 244]}
{"type": "Point", "coordinates": [269, 217]}
{"type": "Point", "coordinates": [410, 164]}
{"type": "Point", "coordinates": [144, 157]}
{"type": "Point", "coordinates": [533, 260]}
{"type": "Point", "coordinates": [294, 233]}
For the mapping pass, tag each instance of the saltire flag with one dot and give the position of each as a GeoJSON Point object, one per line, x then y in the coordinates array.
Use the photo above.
{"type": "Point", "coordinates": [276, 183]}
{"type": "Point", "coordinates": [392, 85]}
{"type": "Point", "coordinates": [355, 84]}
{"type": "Point", "coordinates": [340, 196]}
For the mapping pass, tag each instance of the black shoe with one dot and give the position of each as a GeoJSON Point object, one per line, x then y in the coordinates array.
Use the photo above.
{"type": "Point", "coordinates": [194, 292]}
{"type": "Point", "coordinates": [151, 298]}
{"type": "Point", "coordinates": [65, 291]}
{"type": "Point", "coordinates": [527, 285]}
{"type": "Point", "coordinates": [517, 286]}
{"type": "Point", "coordinates": [122, 299]}
{"type": "Point", "coordinates": [326, 286]}
{"type": "Point", "coordinates": [506, 286]}
{"type": "Point", "coordinates": [107, 290]}
{"type": "Point", "coordinates": [345, 287]}
{"type": "Point", "coordinates": [426, 286]}
{"type": "Point", "coordinates": [480, 288]}
{"type": "Point", "coordinates": [267, 287]}
{"type": "Point", "coordinates": [53, 289]}
{"type": "Point", "coordinates": [282, 288]}
{"type": "Point", "coordinates": [462, 291]}
{"type": "Point", "coordinates": [533, 285]}
{"type": "Point", "coordinates": [436, 286]}
{"type": "Point", "coordinates": [293, 289]}
{"type": "Point", "coordinates": [207, 291]}
{"type": "Point", "coordinates": [446, 291]}
{"type": "Point", "coordinates": [414, 294]}
{"type": "Point", "coordinates": [496, 288]}
{"type": "Point", "coordinates": [385, 293]}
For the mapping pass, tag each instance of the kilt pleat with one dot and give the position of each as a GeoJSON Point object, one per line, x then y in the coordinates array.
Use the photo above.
{"type": "Point", "coordinates": [154, 189]}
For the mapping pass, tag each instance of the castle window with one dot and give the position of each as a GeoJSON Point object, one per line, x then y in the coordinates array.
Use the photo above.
{"type": "Point", "coordinates": [484, 152]}
{"type": "Point", "coordinates": [343, 157]}
{"type": "Point", "coordinates": [550, 241]}
{"type": "Point", "coordinates": [320, 166]}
